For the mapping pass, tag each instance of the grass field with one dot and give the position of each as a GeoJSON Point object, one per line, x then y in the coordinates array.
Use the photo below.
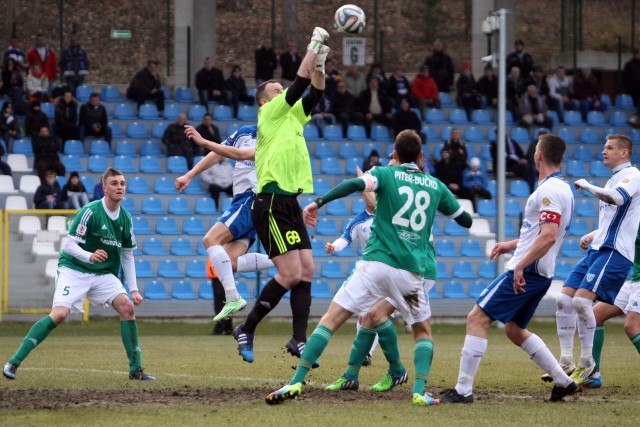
{"type": "Point", "coordinates": [79, 377]}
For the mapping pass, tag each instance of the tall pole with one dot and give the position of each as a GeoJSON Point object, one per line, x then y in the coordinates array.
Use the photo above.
{"type": "Point", "coordinates": [500, 143]}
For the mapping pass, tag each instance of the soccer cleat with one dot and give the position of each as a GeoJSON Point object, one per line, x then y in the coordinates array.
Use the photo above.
{"type": "Point", "coordinates": [557, 393]}
{"type": "Point", "coordinates": [424, 400]}
{"type": "Point", "coordinates": [141, 375]}
{"type": "Point", "coordinates": [320, 35]}
{"type": "Point", "coordinates": [344, 384]}
{"type": "Point", "coordinates": [389, 381]}
{"type": "Point", "coordinates": [451, 395]}
{"type": "Point", "coordinates": [295, 348]}
{"type": "Point", "coordinates": [290, 391]}
{"type": "Point", "coordinates": [9, 371]}
{"type": "Point", "coordinates": [245, 343]}
{"type": "Point", "coordinates": [229, 308]}
{"type": "Point", "coordinates": [367, 360]}
{"type": "Point", "coordinates": [568, 369]}
{"type": "Point", "coordinates": [592, 382]}
{"type": "Point", "coordinates": [581, 373]}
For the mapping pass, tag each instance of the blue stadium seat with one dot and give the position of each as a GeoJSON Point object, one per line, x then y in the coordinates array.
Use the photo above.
{"type": "Point", "coordinates": [485, 153]}
{"type": "Point", "coordinates": [83, 92]}
{"type": "Point", "coordinates": [476, 288]}
{"type": "Point", "coordinates": [595, 118]}
{"type": "Point", "coordinates": [606, 99]}
{"type": "Point", "coordinates": [487, 208]}
{"type": "Point", "coordinates": [317, 248]}
{"type": "Point", "coordinates": [492, 134]}
{"type": "Point", "coordinates": [599, 170]}
{"type": "Point", "coordinates": [226, 204]}
{"type": "Point", "coordinates": [195, 188]}
{"type": "Point", "coordinates": [322, 149]}
{"type": "Point", "coordinates": [487, 270]}
{"type": "Point", "coordinates": [429, 134]}
{"type": "Point", "coordinates": [116, 131]}
{"type": "Point", "coordinates": [508, 118]}
{"type": "Point", "coordinates": [458, 116]}
{"type": "Point", "coordinates": [583, 153]}
{"type": "Point", "coordinates": [436, 229]}
{"type": "Point", "coordinates": [130, 205]}
{"type": "Point", "coordinates": [567, 135]}
{"type": "Point", "coordinates": [471, 248]}
{"type": "Point", "coordinates": [245, 290]}
{"type": "Point", "coordinates": [347, 150]}
{"type": "Point", "coordinates": [163, 185]}
{"type": "Point", "coordinates": [193, 226]}
{"type": "Point", "coordinates": [311, 132]}
{"type": "Point", "coordinates": [519, 188]}
{"type": "Point", "coordinates": [179, 206]}
{"type": "Point", "coordinates": [589, 135]}
{"type": "Point", "coordinates": [452, 228]}
{"type": "Point", "coordinates": [22, 146]}
{"type": "Point", "coordinates": [148, 112]}
{"type": "Point", "coordinates": [509, 229]}
{"type": "Point", "coordinates": [473, 134]}
{"type": "Point", "coordinates": [200, 249]}
{"type": "Point", "coordinates": [205, 290]}
{"type": "Point", "coordinates": [110, 94]}
{"type": "Point", "coordinates": [573, 118]}
{"type": "Point", "coordinates": [513, 208]}
{"type": "Point", "coordinates": [481, 117]}
{"type": "Point", "coordinates": [177, 164]}
{"type": "Point", "coordinates": [138, 185]}
{"type": "Point", "coordinates": [206, 206]}
{"type": "Point", "coordinates": [158, 128]}
{"type": "Point", "coordinates": [124, 163]}
{"type": "Point", "coordinates": [520, 135]}
{"type": "Point", "coordinates": [463, 270]}
{"type": "Point", "coordinates": [99, 147]}
{"type": "Point", "coordinates": [72, 162]}
{"type": "Point", "coordinates": [381, 133]}
{"type": "Point", "coordinates": [368, 148]}
{"type": "Point", "coordinates": [169, 269]}
{"type": "Point", "coordinates": [571, 249]}
{"type": "Point", "coordinates": [321, 186]}
{"type": "Point", "coordinates": [222, 112]}
{"type": "Point", "coordinates": [445, 133]}
{"type": "Point", "coordinates": [74, 146]}
{"type": "Point", "coordinates": [624, 100]}
{"type": "Point", "coordinates": [332, 133]}
{"type": "Point", "coordinates": [172, 111]}
{"type": "Point", "coordinates": [538, 131]}
{"type": "Point", "coordinates": [150, 164]}
{"type": "Point", "coordinates": [434, 293]}
{"type": "Point", "coordinates": [123, 111]}
{"type": "Point", "coordinates": [166, 226]}
{"type": "Point", "coordinates": [331, 166]}
{"type": "Point", "coordinates": [563, 268]}
{"type": "Point", "coordinates": [435, 116]}
{"type": "Point", "coordinates": [125, 148]}
{"type": "Point", "coordinates": [143, 269]}
{"type": "Point", "coordinates": [337, 207]}
{"type": "Point", "coordinates": [445, 99]}
{"type": "Point", "coordinates": [49, 109]}
{"type": "Point", "coordinates": [634, 134]}
{"type": "Point", "coordinates": [196, 269]}
{"type": "Point", "coordinates": [442, 270]}
{"type": "Point", "coordinates": [326, 227]}
{"type": "Point", "coordinates": [492, 187]}
{"type": "Point", "coordinates": [181, 247]}
{"type": "Point", "coordinates": [150, 148]}
{"type": "Point", "coordinates": [351, 163]}
{"type": "Point", "coordinates": [586, 208]}
{"type": "Point", "coordinates": [153, 246]}
{"type": "Point", "coordinates": [248, 113]}
{"type": "Point", "coordinates": [454, 289]}
{"type": "Point", "coordinates": [137, 130]}
{"type": "Point", "coordinates": [196, 112]}
{"type": "Point", "coordinates": [618, 118]}
{"type": "Point", "coordinates": [576, 168]}
{"type": "Point", "coordinates": [320, 289]}
{"type": "Point", "coordinates": [357, 133]}
{"type": "Point", "coordinates": [331, 270]}
{"type": "Point", "coordinates": [357, 206]}
{"type": "Point", "coordinates": [578, 228]}
{"type": "Point", "coordinates": [183, 290]}
{"type": "Point", "coordinates": [155, 289]}
{"type": "Point", "coordinates": [184, 94]}
{"type": "Point", "coordinates": [140, 225]}
{"type": "Point", "coordinates": [446, 248]}
{"type": "Point", "coordinates": [152, 206]}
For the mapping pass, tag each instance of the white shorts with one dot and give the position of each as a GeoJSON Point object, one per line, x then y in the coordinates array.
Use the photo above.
{"type": "Point", "coordinates": [372, 281]}
{"type": "Point", "coordinates": [633, 303]}
{"type": "Point", "coordinates": [72, 287]}
{"type": "Point", "coordinates": [624, 298]}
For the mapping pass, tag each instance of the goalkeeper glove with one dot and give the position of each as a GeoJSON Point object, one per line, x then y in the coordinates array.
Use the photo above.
{"type": "Point", "coordinates": [321, 58]}
{"type": "Point", "coordinates": [320, 36]}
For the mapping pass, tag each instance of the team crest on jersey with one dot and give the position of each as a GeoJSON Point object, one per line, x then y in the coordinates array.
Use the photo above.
{"type": "Point", "coordinates": [409, 237]}
{"type": "Point", "coordinates": [82, 229]}
{"type": "Point", "coordinates": [625, 181]}
{"type": "Point", "coordinates": [546, 201]}
{"type": "Point", "coordinates": [590, 277]}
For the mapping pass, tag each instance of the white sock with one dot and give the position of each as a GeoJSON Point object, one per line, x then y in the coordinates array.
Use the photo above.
{"type": "Point", "coordinates": [253, 262]}
{"type": "Point", "coordinates": [472, 352]}
{"type": "Point", "coordinates": [222, 263]}
{"type": "Point", "coordinates": [566, 326]}
{"type": "Point", "coordinates": [586, 329]}
{"type": "Point", "coordinates": [542, 356]}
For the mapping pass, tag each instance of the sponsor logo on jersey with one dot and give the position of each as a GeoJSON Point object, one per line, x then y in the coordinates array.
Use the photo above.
{"type": "Point", "coordinates": [110, 240]}
{"type": "Point", "coordinates": [104, 227]}
{"type": "Point", "coordinates": [525, 225]}
{"type": "Point", "coordinates": [409, 237]}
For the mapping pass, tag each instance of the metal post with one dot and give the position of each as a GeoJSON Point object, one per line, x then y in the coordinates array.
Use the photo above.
{"type": "Point", "coordinates": [501, 138]}
{"type": "Point", "coordinates": [189, 56]}
{"type": "Point", "coordinates": [489, 48]}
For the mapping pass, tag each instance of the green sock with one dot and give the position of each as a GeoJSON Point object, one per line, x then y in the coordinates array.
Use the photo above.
{"type": "Point", "coordinates": [635, 340]}
{"type": "Point", "coordinates": [312, 351]}
{"type": "Point", "coordinates": [129, 334]}
{"type": "Point", "coordinates": [38, 332]}
{"type": "Point", "coordinates": [388, 340]}
{"type": "Point", "coordinates": [598, 343]}
{"type": "Point", "coordinates": [422, 357]}
{"type": "Point", "coordinates": [359, 350]}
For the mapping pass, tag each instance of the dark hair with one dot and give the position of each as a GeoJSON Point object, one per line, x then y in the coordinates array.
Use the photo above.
{"type": "Point", "coordinates": [552, 148]}
{"type": "Point", "coordinates": [152, 61]}
{"type": "Point", "coordinates": [408, 146]}
{"type": "Point", "coordinates": [623, 141]}
{"type": "Point", "coordinates": [109, 173]}
{"type": "Point", "coordinates": [261, 88]}
{"type": "Point", "coordinates": [207, 115]}
{"type": "Point", "coordinates": [94, 95]}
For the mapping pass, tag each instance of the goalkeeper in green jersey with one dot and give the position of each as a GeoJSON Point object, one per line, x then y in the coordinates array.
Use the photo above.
{"type": "Point", "coordinates": [397, 270]}
{"type": "Point", "coordinates": [100, 240]}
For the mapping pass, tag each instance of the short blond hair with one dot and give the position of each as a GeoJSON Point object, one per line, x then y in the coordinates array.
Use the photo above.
{"type": "Point", "coordinates": [109, 173]}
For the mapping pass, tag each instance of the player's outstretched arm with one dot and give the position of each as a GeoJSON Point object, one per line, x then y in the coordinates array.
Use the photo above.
{"type": "Point", "coordinates": [503, 248]}
{"type": "Point", "coordinates": [613, 196]}
{"type": "Point", "coordinates": [219, 149]}
{"type": "Point", "coordinates": [182, 182]}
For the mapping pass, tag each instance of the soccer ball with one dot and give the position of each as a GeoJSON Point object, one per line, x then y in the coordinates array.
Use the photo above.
{"type": "Point", "coordinates": [349, 19]}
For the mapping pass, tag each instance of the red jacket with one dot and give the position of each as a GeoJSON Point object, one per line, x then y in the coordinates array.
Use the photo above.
{"type": "Point", "coordinates": [424, 88]}
{"type": "Point", "coordinates": [49, 66]}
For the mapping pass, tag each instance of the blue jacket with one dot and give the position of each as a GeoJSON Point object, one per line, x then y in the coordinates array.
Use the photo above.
{"type": "Point", "coordinates": [471, 179]}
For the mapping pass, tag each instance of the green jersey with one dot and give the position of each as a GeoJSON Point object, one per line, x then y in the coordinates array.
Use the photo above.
{"type": "Point", "coordinates": [281, 151]}
{"type": "Point", "coordinates": [636, 260]}
{"type": "Point", "coordinates": [407, 201]}
{"type": "Point", "coordinates": [94, 229]}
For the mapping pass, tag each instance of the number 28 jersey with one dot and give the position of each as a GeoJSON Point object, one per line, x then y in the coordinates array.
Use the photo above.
{"type": "Point", "coordinates": [407, 201]}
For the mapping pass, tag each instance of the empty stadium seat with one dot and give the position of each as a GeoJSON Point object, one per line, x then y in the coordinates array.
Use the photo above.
{"type": "Point", "coordinates": [599, 170]}
{"type": "Point", "coordinates": [183, 290]}
{"type": "Point", "coordinates": [473, 134]}
{"type": "Point", "coordinates": [351, 163]}
{"type": "Point", "coordinates": [155, 290]}
{"type": "Point", "coordinates": [141, 225]}
{"type": "Point", "coordinates": [520, 135]}
{"type": "Point", "coordinates": [248, 113]}
{"type": "Point", "coordinates": [445, 99]}
{"type": "Point", "coordinates": [357, 133]}
{"type": "Point", "coordinates": [196, 112]}
{"type": "Point", "coordinates": [452, 228]}
{"type": "Point", "coordinates": [321, 290]}
{"type": "Point", "coordinates": [22, 146]}
{"type": "Point", "coordinates": [123, 111]}
{"type": "Point", "coordinates": [463, 270]}
{"type": "Point", "coordinates": [28, 183]}
{"type": "Point", "coordinates": [124, 163]}
{"type": "Point", "coordinates": [458, 116]}
{"type": "Point", "coordinates": [116, 131]}
{"type": "Point", "coordinates": [73, 162]}
{"type": "Point", "coordinates": [337, 207]}
{"type": "Point", "coordinates": [7, 185]}
{"type": "Point", "coordinates": [137, 130]}
{"type": "Point", "coordinates": [578, 228]}
{"type": "Point", "coordinates": [595, 118]}
{"type": "Point", "coordinates": [83, 92]}
{"type": "Point", "coordinates": [573, 118]}
{"type": "Point", "coordinates": [166, 225]}
{"type": "Point", "coordinates": [567, 135]}
{"type": "Point", "coordinates": [222, 112]}
{"type": "Point", "coordinates": [347, 150]}
{"type": "Point", "coordinates": [513, 208]}
{"type": "Point", "coordinates": [205, 206]}
{"type": "Point", "coordinates": [435, 116]}
{"type": "Point", "coordinates": [153, 246]}
{"type": "Point", "coordinates": [125, 148]}
{"type": "Point", "coordinates": [586, 208]}
{"type": "Point", "coordinates": [571, 248]}
{"type": "Point", "coordinates": [323, 149]}
{"type": "Point", "coordinates": [454, 289]}
{"type": "Point", "coordinates": [481, 117]}
{"type": "Point", "coordinates": [19, 163]}
{"type": "Point", "coordinates": [143, 269]}
{"type": "Point", "coordinates": [487, 270]}
{"type": "Point", "coordinates": [476, 288]}
{"type": "Point", "coordinates": [624, 100]}
{"type": "Point", "coordinates": [357, 206]}
{"type": "Point", "coordinates": [429, 134]}
{"type": "Point", "coordinates": [381, 133]}
{"type": "Point", "coordinates": [179, 206]}
{"type": "Point", "coordinates": [618, 118]}
{"type": "Point", "coordinates": [172, 111]}
{"type": "Point", "coordinates": [487, 208]}
{"type": "Point", "coordinates": [169, 269]}
{"type": "Point", "coordinates": [446, 248]}
{"type": "Point", "coordinates": [138, 185]}
{"type": "Point", "coordinates": [326, 227]}
{"type": "Point", "coordinates": [28, 225]}
{"type": "Point", "coordinates": [74, 146]}
{"type": "Point", "coordinates": [445, 133]}
{"type": "Point", "coordinates": [110, 94]}
{"type": "Point", "coordinates": [589, 135]}
{"type": "Point", "coordinates": [583, 153]}
{"type": "Point", "coordinates": [150, 164]}
{"type": "Point", "coordinates": [331, 269]}
{"type": "Point", "coordinates": [442, 271]}
{"type": "Point", "coordinates": [332, 133]}
{"type": "Point", "coordinates": [519, 188]}
{"type": "Point", "coordinates": [310, 131]}
{"type": "Point", "coordinates": [164, 185]}
{"type": "Point", "coordinates": [177, 164]}
{"type": "Point", "coordinates": [184, 94]}
{"type": "Point", "coordinates": [576, 168]}
{"type": "Point", "coordinates": [196, 269]}
{"type": "Point", "coordinates": [331, 166]}
{"type": "Point", "coordinates": [152, 206]}
{"type": "Point", "coordinates": [99, 147]}
{"type": "Point", "coordinates": [471, 248]}
{"type": "Point", "coordinates": [148, 112]}
{"type": "Point", "coordinates": [205, 291]}
{"type": "Point", "coordinates": [563, 269]}
{"type": "Point", "coordinates": [195, 188]}
{"type": "Point", "coordinates": [193, 226]}
{"type": "Point", "coordinates": [181, 247]}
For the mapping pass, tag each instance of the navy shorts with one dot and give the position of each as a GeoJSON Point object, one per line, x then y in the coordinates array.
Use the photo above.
{"type": "Point", "coordinates": [238, 217]}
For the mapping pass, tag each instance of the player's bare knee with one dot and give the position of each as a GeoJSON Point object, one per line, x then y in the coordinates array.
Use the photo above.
{"type": "Point", "coordinates": [632, 325]}
{"type": "Point", "coordinates": [59, 314]}
{"type": "Point", "coordinates": [514, 333]}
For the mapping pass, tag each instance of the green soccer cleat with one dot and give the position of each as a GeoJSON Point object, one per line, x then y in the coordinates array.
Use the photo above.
{"type": "Point", "coordinates": [582, 373]}
{"type": "Point", "coordinates": [229, 308]}
{"type": "Point", "coordinates": [390, 381]}
{"type": "Point", "coordinates": [290, 391]}
{"type": "Point", "coordinates": [568, 369]}
{"type": "Point", "coordinates": [344, 384]}
{"type": "Point", "coordinates": [424, 400]}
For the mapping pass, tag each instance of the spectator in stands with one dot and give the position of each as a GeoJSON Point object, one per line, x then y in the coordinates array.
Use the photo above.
{"type": "Point", "coordinates": [37, 84]}
{"type": "Point", "coordinates": [539, 80]}
{"type": "Point", "coordinates": [517, 163]}
{"type": "Point", "coordinates": [400, 88]}
{"type": "Point", "coordinates": [98, 192]}
{"type": "Point", "coordinates": [9, 129]}
{"type": "Point", "coordinates": [266, 62]}
{"type": "Point", "coordinates": [533, 110]}
{"type": "Point", "coordinates": [73, 194]}
{"type": "Point", "coordinates": [468, 96]}
{"type": "Point", "coordinates": [289, 62]}
{"type": "Point", "coordinates": [177, 142]}
{"type": "Point", "coordinates": [35, 119]}
{"type": "Point", "coordinates": [5, 169]}
{"type": "Point", "coordinates": [208, 130]}
{"type": "Point", "coordinates": [13, 83]}
{"type": "Point", "coordinates": [425, 91]}
{"type": "Point", "coordinates": [561, 93]}
{"type": "Point", "coordinates": [371, 161]}
{"type": "Point", "coordinates": [354, 80]}
{"type": "Point", "coordinates": [405, 118]}
{"type": "Point", "coordinates": [66, 117]}
{"type": "Point", "coordinates": [210, 84]}
{"type": "Point", "coordinates": [93, 119]}
{"type": "Point", "coordinates": [376, 71]}
{"type": "Point", "coordinates": [520, 58]}
{"type": "Point", "coordinates": [449, 172]}
{"type": "Point", "coordinates": [515, 89]}
{"type": "Point", "coordinates": [15, 52]}
{"type": "Point", "coordinates": [476, 181]}
{"type": "Point", "coordinates": [586, 89]}
{"type": "Point", "coordinates": [631, 77]}
{"type": "Point", "coordinates": [488, 88]}
{"type": "Point", "coordinates": [74, 64]}
{"type": "Point", "coordinates": [322, 116]}
{"type": "Point", "coordinates": [220, 179]}
{"type": "Point", "coordinates": [224, 326]}
{"type": "Point", "coordinates": [331, 78]}
{"type": "Point", "coordinates": [146, 85]}
{"type": "Point", "coordinates": [344, 107]}
{"type": "Point", "coordinates": [375, 105]}
{"type": "Point", "coordinates": [457, 149]}
{"type": "Point", "coordinates": [47, 193]}
{"type": "Point", "coordinates": [441, 66]}
{"type": "Point", "coordinates": [237, 90]}
{"type": "Point", "coordinates": [45, 57]}
{"type": "Point", "coordinates": [45, 150]}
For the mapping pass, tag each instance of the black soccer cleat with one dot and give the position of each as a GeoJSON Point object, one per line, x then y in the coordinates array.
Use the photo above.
{"type": "Point", "coordinates": [451, 395]}
{"type": "Point", "coordinates": [295, 348]}
{"type": "Point", "coordinates": [141, 375]}
{"type": "Point", "coordinates": [9, 371]}
{"type": "Point", "coordinates": [557, 393]}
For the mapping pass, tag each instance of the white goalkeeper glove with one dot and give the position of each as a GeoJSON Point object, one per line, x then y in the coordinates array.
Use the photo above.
{"type": "Point", "coordinates": [320, 36]}
{"type": "Point", "coordinates": [321, 58]}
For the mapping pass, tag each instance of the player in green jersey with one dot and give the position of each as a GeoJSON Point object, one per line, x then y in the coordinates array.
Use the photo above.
{"type": "Point", "coordinates": [397, 270]}
{"type": "Point", "coordinates": [100, 240]}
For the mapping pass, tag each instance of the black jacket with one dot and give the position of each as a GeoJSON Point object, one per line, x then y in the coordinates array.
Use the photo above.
{"type": "Point", "coordinates": [209, 80]}
{"type": "Point", "coordinates": [45, 190]}
{"type": "Point", "coordinates": [266, 62]}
